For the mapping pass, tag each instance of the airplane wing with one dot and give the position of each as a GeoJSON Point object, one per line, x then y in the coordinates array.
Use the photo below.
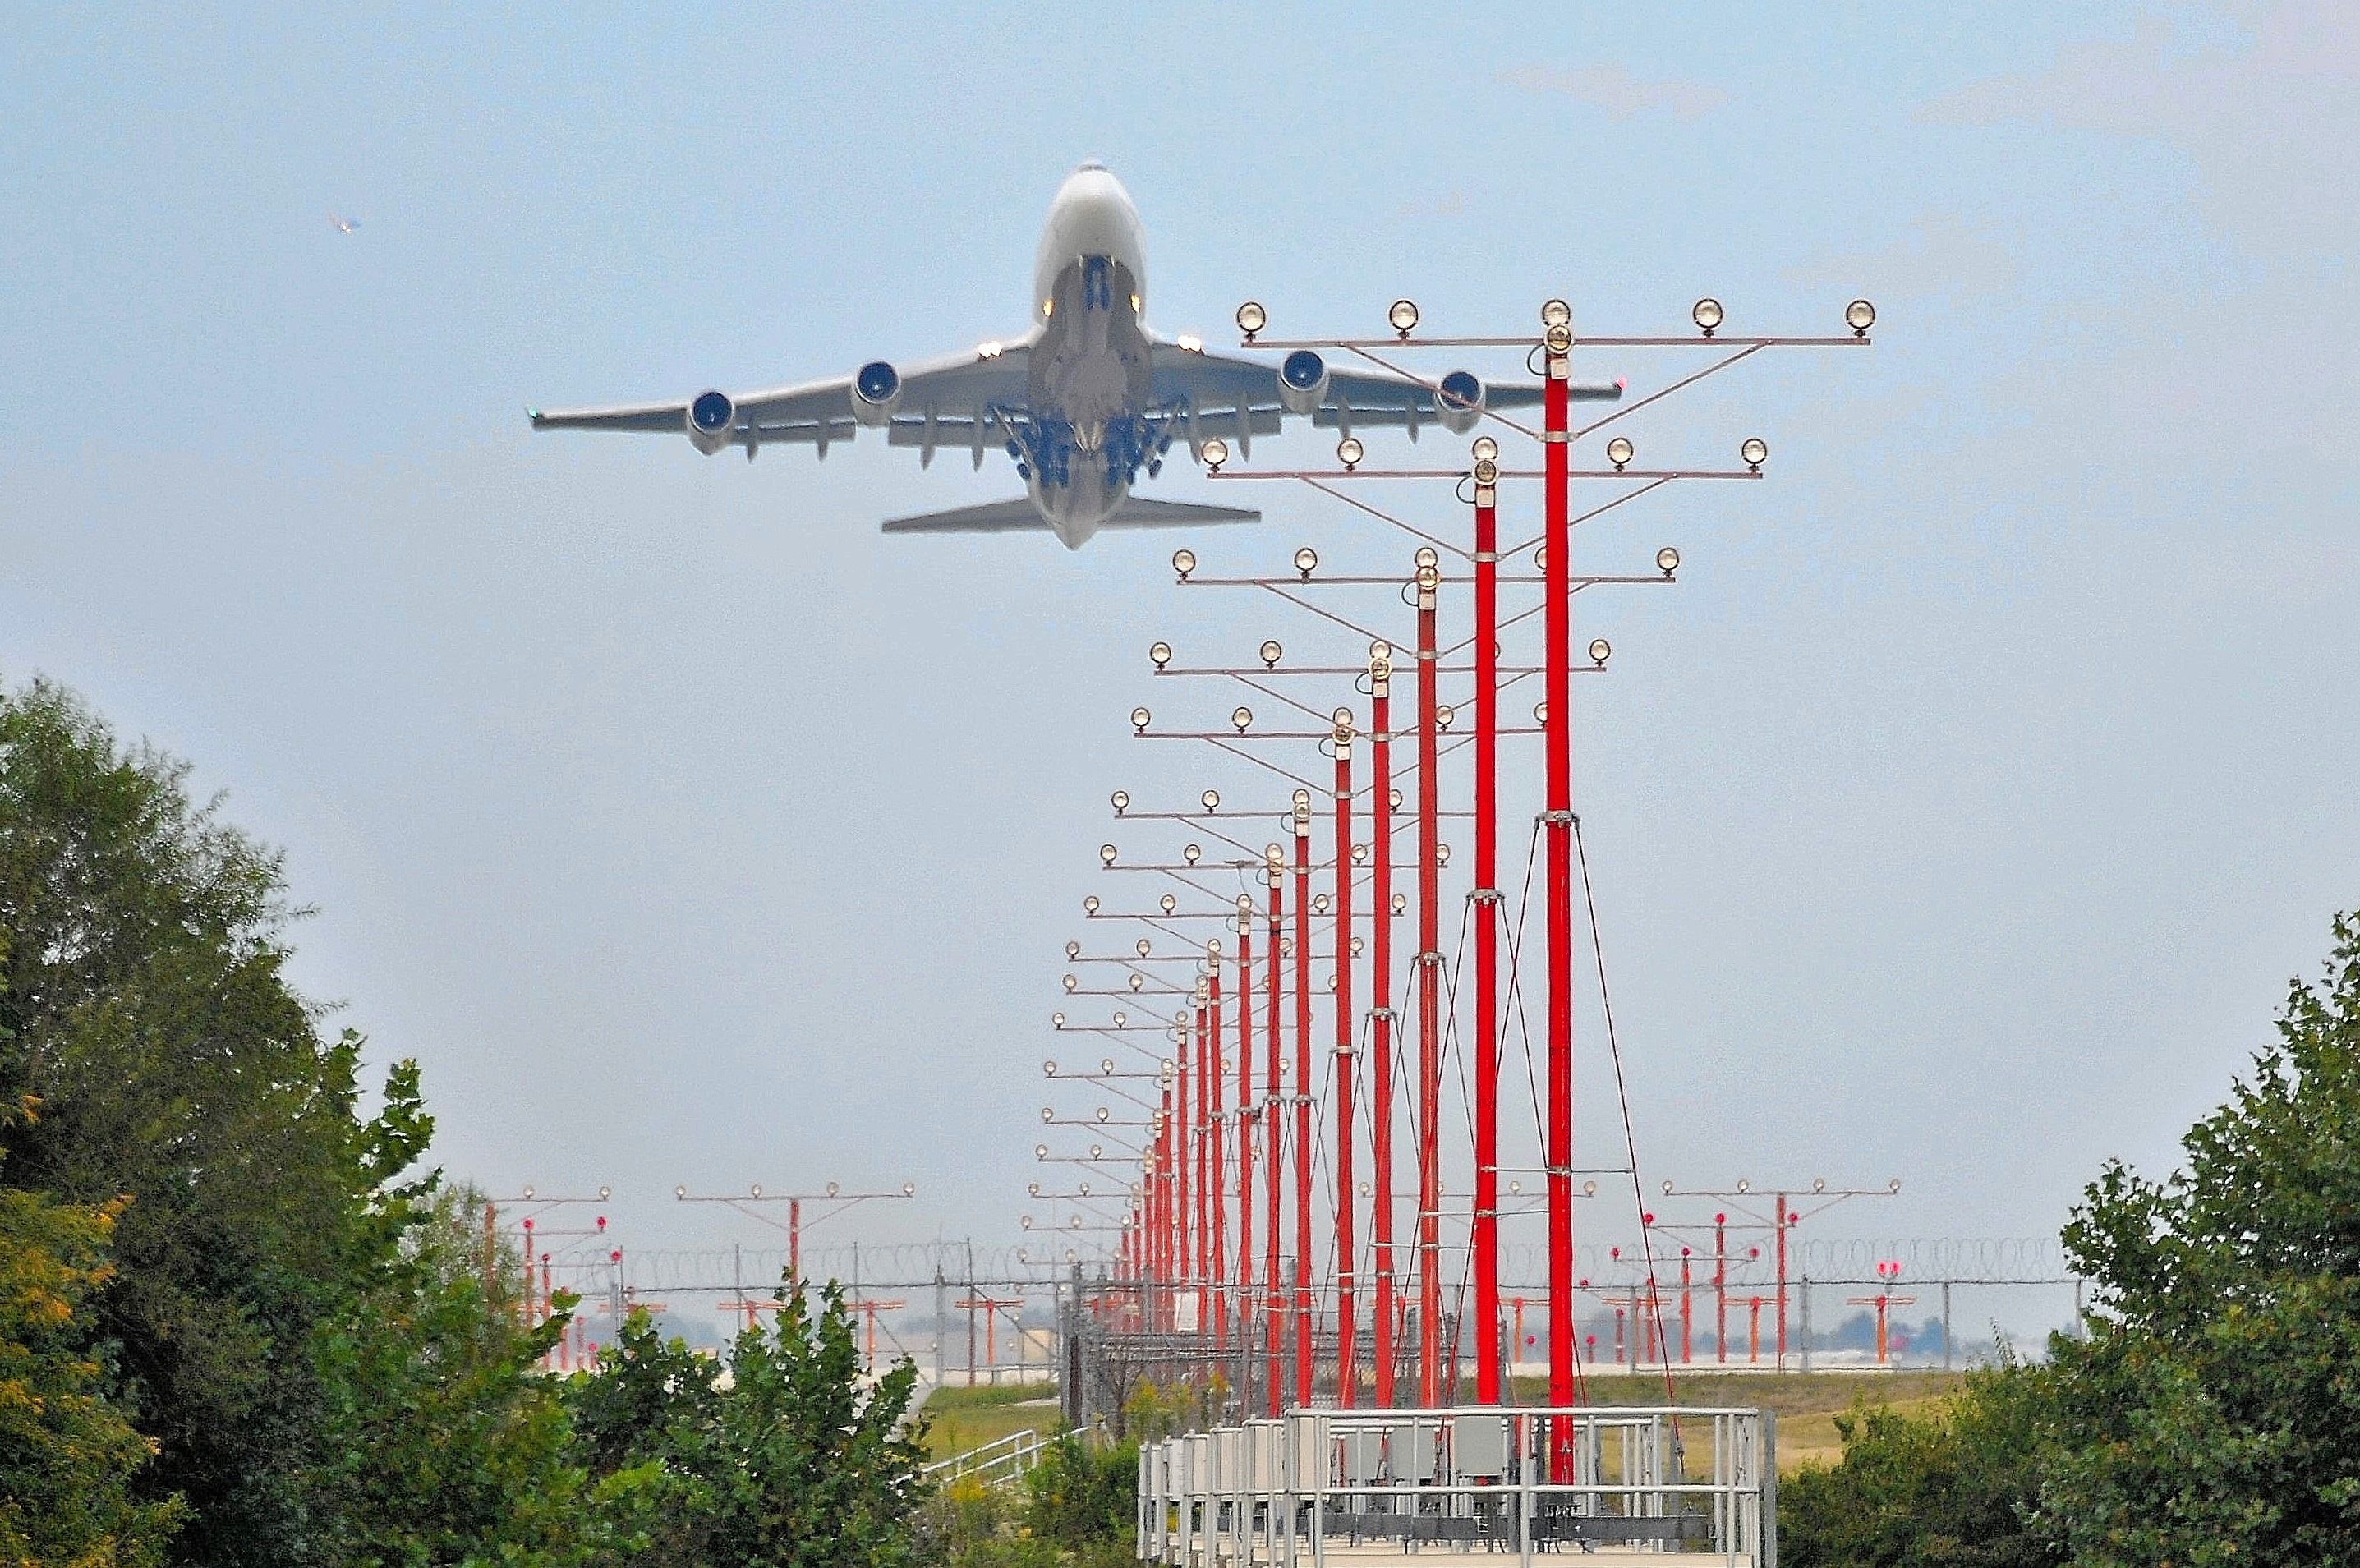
{"type": "Point", "coordinates": [1232, 396]}
{"type": "Point", "coordinates": [1021, 517]}
{"type": "Point", "coordinates": [945, 401]}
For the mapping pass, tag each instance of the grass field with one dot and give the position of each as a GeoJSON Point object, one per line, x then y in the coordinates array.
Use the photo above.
{"type": "Point", "coordinates": [1807, 1404]}
{"type": "Point", "coordinates": [961, 1419]}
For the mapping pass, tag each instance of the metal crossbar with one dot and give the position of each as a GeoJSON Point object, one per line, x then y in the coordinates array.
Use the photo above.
{"type": "Point", "coordinates": [1468, 1484]}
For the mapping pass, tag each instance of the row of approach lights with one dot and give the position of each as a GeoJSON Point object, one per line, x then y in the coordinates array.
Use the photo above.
{"type": "Point", "coordinates": [909, 1190]}
{"type": "Point", "coordinates": [1306, 562]}
{"type": "Point", "coordinates": [1557, 319]}
{"type": "Point", "coordinates": [1619, 451]}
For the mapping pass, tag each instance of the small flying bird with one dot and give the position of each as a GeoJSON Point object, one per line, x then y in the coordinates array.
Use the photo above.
{"type": "Point", "coordinates": [344, 225]}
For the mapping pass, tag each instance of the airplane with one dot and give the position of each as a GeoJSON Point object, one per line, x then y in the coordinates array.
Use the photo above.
{"type": "Point", "coordinates": [1084, 401]}
{"type": "Point", "coordinates": [344, 225]}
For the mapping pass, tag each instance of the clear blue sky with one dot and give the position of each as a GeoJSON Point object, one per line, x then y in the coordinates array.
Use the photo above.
{"type": "Point", "coordinates": [1961, 817]}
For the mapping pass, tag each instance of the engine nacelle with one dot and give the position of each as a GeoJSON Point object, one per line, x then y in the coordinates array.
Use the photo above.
{"type": "Point", "coordinates": [712, 421]}
{"type": "Point", "coordinates": [1302, 381]}
{"type": "Point", "coordinates": [1459, 401]}
{"type": "Point", "coordinates": [876, 393]}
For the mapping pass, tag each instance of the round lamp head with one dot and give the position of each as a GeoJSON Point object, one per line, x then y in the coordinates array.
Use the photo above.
{"type": "Point", "coordinates": [1486, 471]}
{"type": "Point", "coordinates": [1057, 1020]}
{"type": "Point", "coordinates": [1486, 447]}
{"type": "Point", "coordinates": [1215, 452]}
{"type": "Point", "coordinates": [1211, 801]}
{"type": "Point", "coordinates": [1242, 717]}
{"type": "Point", "coordinates": [1159, 654]}
{"type": "Point", "coordinates": [1301, 800]}
{"type": "Point", "coordinates": [681, 1193]}
{"type": "Point", "coordinates": [1540, 713]}
{"type": "Point", "coordinates": [909, 1188]}
{"type": "Point", "coordinates": [1706, 315]}
{"type": "Point", "coordinates": [1619, 451]}
{"type": "Point", "coordinates": [1090, 904]}
{"type": "Point", "coordinates": [1403, 316]}
{"type": "Point", "coordinates": [1557, 313]}
{"type": "Point", "coordinates": [1401, 903]}
{"type": "Point", "coordinates": [1319, 903]}
{"type": "Point", "coordinates": [1141, 947]}
{"type": "Point", "coordinates": [1348, 451]}
{"type": "Point", "coordinates": [1183, 561]}
{"type": "Point", "coordinates": [755, 1191]}
{"type": "Point", "coordinates": [1558, 339]}
{"type": "Point", "coordinates": [1039, 1152]}
{"type": "Point", "coordinates": [1755, 452]}
{"type": "Point", "coordinates": [1138, 717]}
{"type": "Point", "coordinates": [1425, 557]}
{"type": "Point", "coordinates": [1049, 1069]}
{"type": "Point", "coordinates": [1192, 855]}
{"type": "Point", "coordinates": [1106, 854]}
{"type": "Point", "coordinates": [1252, 318]}
{"type": "Point", "coordinates": [1444, 715]}
{"type": "Point", "coordinates": [1667, 560]}
{"type": "Point", "coordinates": [1073, 950]}
{"type": "Point", "coordinates": [1047, 1114]}
{"type": "Point", "coordinates": [1599, 650]}
{"type": "Point", "coordinates": [1818, 1183]}
{"type": "Point", "coordinates": [1306, 562]}
{"type": "Point", "coordinates": [1744, 1186]}
{"type": "Point", "coordinates": [1072, 983]}
{"type": "Point", "coordinates": [528, 1193]}
{"type": "Point", "coordinates": [1859, 315]}
{"type": "Point", "coordinates": [1272, 653]}
{"type": "Point", "coordinates": [1167, 903]}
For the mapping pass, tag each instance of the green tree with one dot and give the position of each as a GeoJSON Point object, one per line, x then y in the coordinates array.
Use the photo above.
{"type": "Point", "coordinates": [2212, 1413]}
{"type": "Point", "coordinates": [142, 1002]}
{"type": "Point", "coordinates": [442, 1441]}
{"type": "Point", "coordinates": [1954, 1489]}
{"type": "Point", "coordinates": [801, 1461]}
{"type": "Point", "coordinates": [67, 1458]}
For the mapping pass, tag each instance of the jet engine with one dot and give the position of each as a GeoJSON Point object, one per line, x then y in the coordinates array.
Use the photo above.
{"type": "Point", "coordinates": [1302, 381]}
{"type": "Point", "coordinates": [1458, 402]}
{"type": "Point", "coordinates": [712, 421]}
{"type": "Point", "coordinates": [876, 393]}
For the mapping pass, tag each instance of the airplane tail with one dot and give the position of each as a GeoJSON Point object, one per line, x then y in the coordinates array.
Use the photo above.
{"type": "Point", "coordinates": [1023, 516]}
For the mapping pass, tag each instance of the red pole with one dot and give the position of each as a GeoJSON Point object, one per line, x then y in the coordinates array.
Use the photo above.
{"type": "Point", "coordinates": [1276, 1344]}
{"type": "Point", "coordinates": [1303, 1238]}
{"type": "Point", "coordinates": [1217, 1242]}
{"type": "Point", "coordinates": [1557, 659]}
{"type": "Point", "coordinates": [1245, 1127]}
{"type": "Point", "coordinates": [1180, 1229]}
{"type": "Point", "coordinates": [1430, 1009]}
{"type": "Point", "coordinates": [1685, 1303]}
{"type": "Point", "coordinates": [1347, 1373]}
{"type": "Point", "coordinates": [1720, 1287]}
{"type": "Point", "coordinates": [1168, 1233]}
{"type": "Point", "coordinates": [1484, 1237]}
{"type": "Point", "coordinates": [532, 1308]}
{"type": "Point", "coordinates": [1381, 1013]}
{"type": "Point", "coordinates": [1782, 1282]}
{"type": "Point", "coordinates": [1754, 1334]}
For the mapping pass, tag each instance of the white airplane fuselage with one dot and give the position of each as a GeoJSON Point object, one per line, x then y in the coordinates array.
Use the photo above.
{"type": "Point", "coordinates": [1089, 391]}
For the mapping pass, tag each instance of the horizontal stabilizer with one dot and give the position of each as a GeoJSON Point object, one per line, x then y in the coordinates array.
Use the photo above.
{"type": "Point", "coordinates": [1020, 517]}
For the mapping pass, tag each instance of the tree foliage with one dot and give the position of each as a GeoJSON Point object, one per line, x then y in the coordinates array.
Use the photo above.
{"type": "Point", "coordinates": [67, 1458]}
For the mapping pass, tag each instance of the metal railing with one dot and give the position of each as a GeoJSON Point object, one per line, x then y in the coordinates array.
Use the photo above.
{"type": "Point", "coordinates": [1694, 1481]}
{"type": "Point", "coordinates": [1002, 1462]}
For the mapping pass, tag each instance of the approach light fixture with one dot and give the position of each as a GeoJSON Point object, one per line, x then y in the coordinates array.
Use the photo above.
{"type": "Point", "coordinates": [1589, 1189]}
{"type": "Point", "coordinates": [1485, 447]}
{"type": "Point", "coordinates": [1348, 451]}
{"type": "Point", "coordinates": [1426, 557]}
{"type": "Point", "coordinates": [1252, 319]}
{"type": "Point", "coordinates": [1049, 1068]}
{"type": "Point", "coordinates": [1859, 315]}
{"type": "Point", "coordinates": [1893, 1185]}
{"type": "Point", "coordinates": [681, 1193]}
{"type": "Point", "coordinates": [1073, 983]}
{"type": "Point", "coordinates": [1818, 1183]}
{"type": "Point", "coordinates": [1319, 903]}
{"type": "Point", "coordinates": [1599, 650]}
{"type": "Point", "coordinates": [1706, 315]}
{"type": "Point", "coordinates": [1089, 903]}
{"type": "Point", "coordinates": [1217, 452]}
{"type": "Point", "coordinates": [1137, 983]}
{"type": "Point", "coordinates": [1403, 316]}
{"type": "Point", "coordinates": [1401, 903]}
{"type": "Point", "coordinates": [1120, 800]}
{"type": "Point", "coordinates": [1486, 471]}
{"type": "Point", "coordinates": [1106, 854]}
{"type": "Point", "coordinates": [1540, 557]}
{"type": "Point", "coordinates": [1106, 1065]}
{"type": "Point", "coordinates": [1540, 713]}
{"type": "Point", "coordinates": [1744, 1186]}
{"type": "Point", "coordinates": [755, 1191]}
{"type": "Point", "coordinates": [1442, 854]}
{"type": "Point", "coordinates": [1558, 340]}
{"type": "Point", "coordinates": [1619, 451]}
{"type": "Point", "coordinates": [1192, 855]}
{"type": "Point", "coordinates": [1393, 799]}
{"type": "Point", "coordinates": [1120, 1019]}
{"type": "Point", "coordinates": [1300, 799]}
{"type": "Point", "coordinates": [1444, 715]}
{"type": "Point", "coordinates": [1755, 452]}
{"type": "Point", "coordinates": [1183, 561]}
{"type": "Point", "coordinates": [1272, 653]}
{"type": "Point", "coordinates": [1306, 562]}
{"type": "Point", "coordinates": [1057, 1021]}
{"type": "Point", "coordinates": [1033, 1189]}
{"type": "Point", "coordinates": [1557, 313]}
{"type": "Point", "coordinates": [1039, 1152]}
{"type": "Point", "coordinates": [1167, 903]}
{"type": "Point", "coordinates": [1159, 654]}
{"type": "Point", "coordinates": [1047, 1114]}
{"type": "Point", "coordinates": [1242, 717]}
{"type": "Point", "coordinates": [1073, 950]}
{"type": "Point", "coordinates": [1667, 560]}
{"type": "Point", "coordinates": [528, 1192]}
{"type": "Point", "coordinates": [1138, 717]}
